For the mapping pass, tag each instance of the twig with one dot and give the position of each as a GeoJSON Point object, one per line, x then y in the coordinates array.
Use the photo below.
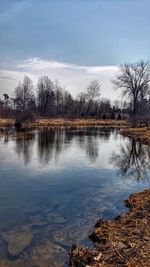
{"type": "Point", "coordinates": [116, 249]}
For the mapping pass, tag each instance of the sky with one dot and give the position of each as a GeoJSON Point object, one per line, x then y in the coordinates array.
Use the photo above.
{"type": "Point", "coordinates": [73, 41]}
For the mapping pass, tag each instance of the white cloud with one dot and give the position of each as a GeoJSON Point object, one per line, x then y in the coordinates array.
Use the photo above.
{"type": "Point", "coordinates": [101, 69]}
{"type": "Point", "coordinates": [74, 78]}
{"type": "Point", "coordinates": [40, 64]}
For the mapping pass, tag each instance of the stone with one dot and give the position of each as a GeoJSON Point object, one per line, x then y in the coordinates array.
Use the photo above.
{"type": "Point", "coordinates": [55, 218]}
{"type": "Point", "coordinates": [46, 254]}
{"type": "Point", "coordinates": [18, 240]}
{"type": "Point", "coordinates": [37, 219]}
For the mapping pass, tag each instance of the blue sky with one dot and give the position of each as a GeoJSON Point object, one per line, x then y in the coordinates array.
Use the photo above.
{"type": "Point", "coordinates": [89, 33]}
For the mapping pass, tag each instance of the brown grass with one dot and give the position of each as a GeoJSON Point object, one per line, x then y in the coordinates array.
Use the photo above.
{"type": "Point", "coordinates": [123, 241]}
{"type": "Point", "coordinates": [140, 134]}
{"type": "Point", "coordinates": [42, 122]}
{"type": "Point", "coordinates": [6, 122]}
{"type": "Point", "coordinates": [79, 122]}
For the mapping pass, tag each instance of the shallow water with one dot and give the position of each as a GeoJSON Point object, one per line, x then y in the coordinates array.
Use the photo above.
{"type": "Point", "coordinates": [56, 183]}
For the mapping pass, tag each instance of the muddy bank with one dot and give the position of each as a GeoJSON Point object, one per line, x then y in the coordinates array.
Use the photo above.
{"type": "Point", "coordinates": [139, 134]}
{"type": "Point", "coordinates": [65, 122]}
{"type": "Point", "coordinates": [123, 241]}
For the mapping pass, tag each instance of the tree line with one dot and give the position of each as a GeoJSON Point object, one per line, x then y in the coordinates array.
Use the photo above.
{"type": "Point", "coordinates": [50, 100]}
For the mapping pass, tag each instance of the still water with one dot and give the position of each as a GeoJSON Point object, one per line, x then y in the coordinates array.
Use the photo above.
{"type": "Point", "coordinates": [56, 183]}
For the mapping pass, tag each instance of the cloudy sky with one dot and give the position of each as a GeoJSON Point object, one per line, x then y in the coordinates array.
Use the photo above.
{"type": "Point", "coordinates": [74, 41]}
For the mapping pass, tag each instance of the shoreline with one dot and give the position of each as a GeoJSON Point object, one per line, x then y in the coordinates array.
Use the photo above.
{"type": "Point", "coordinates": [138, 134]}
{"type": "Point", "coordinates": [124, 240]}
{"type": "Point", "coordinates": [58, 122]}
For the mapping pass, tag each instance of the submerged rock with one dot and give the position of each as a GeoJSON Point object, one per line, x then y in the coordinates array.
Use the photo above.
{"type": "Point", "coordinates": [37, 219]}
{"type": "Point", "coordinates": [45, 254]}
{"type": "Point", "coordinates": [55, 218]}
{"type": "Point", "coordinates": [18, 240]}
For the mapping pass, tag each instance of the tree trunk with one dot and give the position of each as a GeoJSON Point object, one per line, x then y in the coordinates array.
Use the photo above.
{"type": "Point", "coordinates": [135, 106]}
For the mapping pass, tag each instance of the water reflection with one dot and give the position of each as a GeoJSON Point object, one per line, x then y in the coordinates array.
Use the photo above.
{"type": "Point", "coordinates": [24, 145]}
{"type": "Point", "coordinates": [45, 145]}
{"type": "Point", "coordinates": [92, 149]}
{"type": "Point", "coordinates": [4, 133]}
{"type": "Point", "coordinates": [58, 186]}
{"type": "Point", "coordinates": [133, 160]}
{"type": "Point", "coordinates": [50, 143]}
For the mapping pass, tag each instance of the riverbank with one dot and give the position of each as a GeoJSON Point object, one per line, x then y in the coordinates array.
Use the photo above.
{"type": "Point", "coordinates": [122, 241]}
{"type": "Point", "coordinates": [66, 122]}
{"type": "Point", "coordinates": [125, 240]}
{"type": "Point", "coordinates": [6, 122]}
{"type": "Point", "coordinates": [79, 122]}
{"type": "Point", "coordinates": [139, 134]}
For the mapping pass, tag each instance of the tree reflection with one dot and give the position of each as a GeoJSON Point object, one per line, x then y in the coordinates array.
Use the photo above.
{"type": "Point", "coordinates": [49, 143]}
{"type": "Point", "coordinates": [88, 140]}
{"type": "Point", "coordinates": [24, 145]}
{"type": "Point", "coordinates": [105, 133]}
{"type": "Point", "coordinates": [92, 142]}
{"type": "Point", "coordinates": [45, 141]}
{"type": "Point", "coordinates": [92, 148]}
{"type": "Point", "coordinates": [4, 134]}
{"type": "Point", "coordinates": [133, 161]}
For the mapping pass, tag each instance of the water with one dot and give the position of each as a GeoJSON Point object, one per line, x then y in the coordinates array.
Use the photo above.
{"type": "Point", "coordinates": [56, 183]}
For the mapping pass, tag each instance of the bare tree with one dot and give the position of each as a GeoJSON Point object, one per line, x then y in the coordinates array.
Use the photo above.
{"type": "Point", "coordinates": [134, 81]}
{"type": "Point", "coordinates": [24, 99]}
{"type": "Point", "coordinates": [58, 98]}
{"type": "Point", "coordinates": [81, 104]}
{"type": "Point", "coordinates": [45, 96]}
{"type": "Point", "coordinates": [93, 90]}
{"type": "Point", "coordinates": [53, 101]}
{"type": "Point", "coordinates": [93, 93]}
{"type": "Point", "coordinates": [6, 103]}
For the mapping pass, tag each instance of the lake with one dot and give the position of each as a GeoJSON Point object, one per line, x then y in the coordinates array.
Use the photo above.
{"type": "Point", "coordinates": [56, 183]}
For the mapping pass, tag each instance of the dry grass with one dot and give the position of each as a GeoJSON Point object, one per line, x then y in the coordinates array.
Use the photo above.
{"type": "Point", "coordinates": [6, 122]}
{"type": "Point", "coordinates": [140, 134]}
{"type": "Point", "coordinates": [79, 122]}
{"type": "Point", "coordinates": [123, 241]}
{"type": "Point", "coordinates": [42, 122]}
